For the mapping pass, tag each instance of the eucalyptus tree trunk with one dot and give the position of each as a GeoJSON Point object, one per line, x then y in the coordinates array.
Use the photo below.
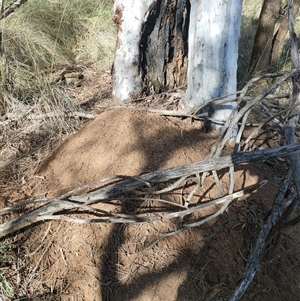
{"type": "Point", "coordinates": [151, 52]}
{"type": "Point", "coordinates": [264, 37]}
{"type": "Point", "coordinates": [129, 15]}
{"type": "Point", "coordinates": [213, 52]}
{"type": "Point", "coordinates": [271, 35]}
{"type": "Point", "coordinates": [165, 44]}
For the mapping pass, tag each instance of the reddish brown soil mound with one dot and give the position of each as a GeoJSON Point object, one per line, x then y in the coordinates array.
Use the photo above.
{"type": "Point", "coordinates": [113, 262]}
{"type": "Point", "coordinates": [126, 142]}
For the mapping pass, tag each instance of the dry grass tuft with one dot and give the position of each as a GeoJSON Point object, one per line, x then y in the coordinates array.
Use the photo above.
{"type": "Point", "coordinates": [38, 40]}
{"type": "Point", "coordinates": [28, 133]}
{"type": "Point", "coordinates": [35, 114]}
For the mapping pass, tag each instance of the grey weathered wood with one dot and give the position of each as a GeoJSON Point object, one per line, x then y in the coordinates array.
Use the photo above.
{"type": "Point", "coordinates": [278, 209]}
{"type": "Point", "coordinates": [11, 8]}
{"type": "Point", "coordinates": [190, 169]}
{"type": "Point", "coordinates": [292, 122]}
{"type": "Point", "coordinates": [58, 204]}
{"type": "Point", "coordinates": [254, 259]}
{"type": "Point", "coordinates": [227, 129]}
{"type": "Point", "coordinates": [126, 218]}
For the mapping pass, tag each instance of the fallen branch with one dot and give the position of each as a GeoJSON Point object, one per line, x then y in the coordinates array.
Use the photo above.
{"type": "Point", "coordinates": [125, 218]}
{"type": "Point", "coordinates": [11, 8]}
{"type": "Point", "coordinates": [206, 165]}
{"type": "Point", "coordinates": [290, 128]}
{"type": "Point", "coordinates": [68, 202]}
{"type": "Point", "coordinates": [278, 208]}
{"type": "Point", "coordinates": [227, 129]}
{"type": "Point", "coordinates": [42, 214]}
{"type": "Point", "coordinates": [254, 259]}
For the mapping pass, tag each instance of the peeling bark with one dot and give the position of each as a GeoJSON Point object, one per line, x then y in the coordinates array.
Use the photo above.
{"type": "Point", "coordinates": [152, 49]}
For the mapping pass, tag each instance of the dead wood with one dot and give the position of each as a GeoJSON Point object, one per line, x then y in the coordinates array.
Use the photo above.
{"type": "Point", "coordinates": [69, 201]}
{"type": "Point", "coordinates": [11, 8]}
{"type": "Point", "coordinates": [10, 118]}
{"type": "Point", "coordinates": [290, 128]}
{"type": "Point", "coordinates": [255, 257]}
{"type": "Point", "coordinates": [279, 209]}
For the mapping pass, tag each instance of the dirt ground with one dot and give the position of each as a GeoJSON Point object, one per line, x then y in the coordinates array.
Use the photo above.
{"type": "Point", "coordinates": [112, 262]}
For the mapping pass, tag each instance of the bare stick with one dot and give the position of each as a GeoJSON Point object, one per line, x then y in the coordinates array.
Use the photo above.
{"type": "Point", "coordinates": [190, 169]}
{"type": "Point", "coordinates": [254, 259]}
{"type": "Point", "coordinates": [242, 93]}
{"type": "Point", "coordinates": [16, 117]}
{"type": "Point", "coordinates": [116, 189]}
{"type": "Point", "coordinates": [164, 190]}
{"type": "Point", "coordinates": [290, 129]}
{"type": "Point", "coordinates": [126, 218]}
{"type": "Point", "coordinates": [292, 122]}
{"type": "Point", "coordinates": [11, 8]}
{"type": "Point", "coordinates": [230, 124]}
{"type": "Point", "coordinates": [256, 130]}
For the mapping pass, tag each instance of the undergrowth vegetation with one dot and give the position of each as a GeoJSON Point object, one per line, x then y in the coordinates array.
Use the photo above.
{"type": "Point", "coordinates": [39, 39]}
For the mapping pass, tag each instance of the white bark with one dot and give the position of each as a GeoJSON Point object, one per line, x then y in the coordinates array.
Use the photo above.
{"type": "Point", "coordinates": [129, 15]}
{"type": "Point", "coordinates": [213, 52]}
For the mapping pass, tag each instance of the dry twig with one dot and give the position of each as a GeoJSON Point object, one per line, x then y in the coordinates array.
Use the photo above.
{"type": "Point", "coordinates": [114, 190]}
{"type": "Point", "coordinates": [278, 208]}
{"type": "Point", "coordinates": [254, 259]}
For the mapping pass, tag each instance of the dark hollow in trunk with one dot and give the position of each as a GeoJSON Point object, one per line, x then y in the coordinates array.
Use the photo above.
{"type": "Point", "coordinates": [164, 46]}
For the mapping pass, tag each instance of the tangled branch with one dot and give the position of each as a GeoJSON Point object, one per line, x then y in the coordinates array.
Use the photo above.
{"type": "Point", "coordinates": [70, 201]}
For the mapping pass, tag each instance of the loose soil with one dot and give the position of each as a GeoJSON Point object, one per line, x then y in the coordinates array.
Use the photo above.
{"type": "Point", "coordinates": [64, 261]}
{"type": "Point", "coordinates": [115, 262]}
